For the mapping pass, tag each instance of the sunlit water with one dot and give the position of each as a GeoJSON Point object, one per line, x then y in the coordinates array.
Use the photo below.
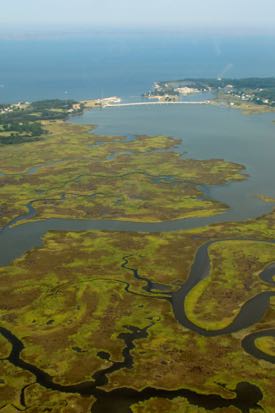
{"type": "Point", "coordinates": [124, 64]}
{"type": "Point", "coordinates": [207, 132]}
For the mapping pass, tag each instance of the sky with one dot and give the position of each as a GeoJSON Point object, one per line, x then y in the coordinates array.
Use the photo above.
{"type": "Point", "coordinates": [184, 14]}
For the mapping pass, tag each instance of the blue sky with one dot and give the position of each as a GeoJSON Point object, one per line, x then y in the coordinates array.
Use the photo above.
{"type": "Point", "coordinates": [183, 14]}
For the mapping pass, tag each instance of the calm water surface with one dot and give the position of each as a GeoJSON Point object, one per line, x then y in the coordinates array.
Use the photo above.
{"type": "Point", "coordinates": [207, 132]}
{"type": "Point", "coordinates": [124, 64]}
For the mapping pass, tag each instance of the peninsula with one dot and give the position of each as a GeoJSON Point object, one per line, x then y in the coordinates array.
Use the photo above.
{"type": "Point", "coordinates": [250, 94]}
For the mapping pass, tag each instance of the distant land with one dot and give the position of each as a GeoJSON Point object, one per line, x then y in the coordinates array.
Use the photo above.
{"type": "Point", "coordinates": [235, 92]}
{"type": "Point", "coordinates": [23, 121]}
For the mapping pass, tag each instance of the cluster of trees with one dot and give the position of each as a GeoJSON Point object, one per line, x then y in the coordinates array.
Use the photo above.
{"type": "Point", "coordinates": [24, 125]}
{"type": "Point", "coordinates": [162, 92]}
{"type": "Point", "coordinates": [28, 128]}
{"type": "Point", "coordinates": [10, 140]}
{"type": "Point", "coordinates": [266, 94]}
{"type": "Point", "coordinates": [253, 83]}
{"type": "Point", "coordinates": [52, 104]}
{"type": "Point", "coordinates": [19, 127]}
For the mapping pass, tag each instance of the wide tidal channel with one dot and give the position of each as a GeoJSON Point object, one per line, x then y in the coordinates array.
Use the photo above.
{"type": "Point", "coordinates": [207, 132]}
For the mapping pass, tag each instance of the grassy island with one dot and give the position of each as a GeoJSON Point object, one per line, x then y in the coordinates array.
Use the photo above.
{"type": "Point", "coordinates": [71, 173]}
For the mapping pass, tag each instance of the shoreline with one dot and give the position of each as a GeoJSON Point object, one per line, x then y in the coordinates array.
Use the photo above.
{"type": "Point", "coordinates": [245, 108]}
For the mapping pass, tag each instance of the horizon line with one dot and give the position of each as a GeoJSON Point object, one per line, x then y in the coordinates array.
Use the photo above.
{"type": "Point", "coordinates": [9, 29]}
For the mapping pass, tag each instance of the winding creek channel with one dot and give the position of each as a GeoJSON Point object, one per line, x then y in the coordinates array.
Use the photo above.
{"type": "Point", "coordinates": [16, 240]}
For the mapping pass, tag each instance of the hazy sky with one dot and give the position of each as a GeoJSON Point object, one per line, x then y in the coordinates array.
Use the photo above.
{"type": "Point", "coordinates": [152, 13]}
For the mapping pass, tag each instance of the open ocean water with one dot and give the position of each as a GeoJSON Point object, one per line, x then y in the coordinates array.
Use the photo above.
{"type": "Point", "coordinates": [123, 64]}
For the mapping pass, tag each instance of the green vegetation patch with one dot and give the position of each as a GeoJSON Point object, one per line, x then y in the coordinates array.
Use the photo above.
{"type": "Point", "coordinates": [72, 173]}
{"type": "Point", "coordinates": [72, 299]}
{"type": "Point", "coordinates": [233, 280]}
